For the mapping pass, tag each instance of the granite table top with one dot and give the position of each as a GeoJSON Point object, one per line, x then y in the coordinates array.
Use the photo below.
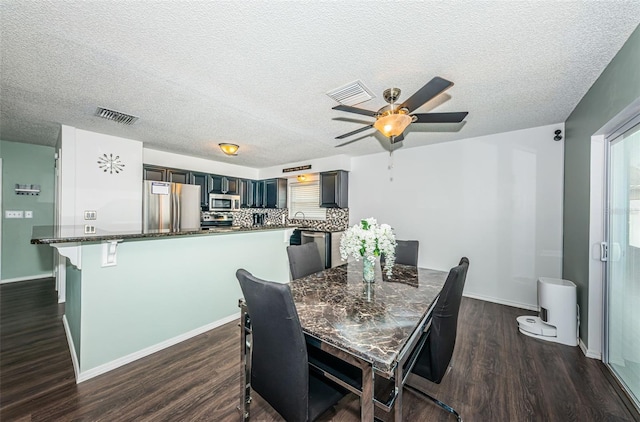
{"type": "Point", "coordinates": [371, 321]}
{"type": "Point", "coordinates": [75, 234]}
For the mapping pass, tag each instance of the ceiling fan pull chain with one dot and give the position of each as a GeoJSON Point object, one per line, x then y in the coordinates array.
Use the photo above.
{"type": "Point", "coordinates": [390, 163]}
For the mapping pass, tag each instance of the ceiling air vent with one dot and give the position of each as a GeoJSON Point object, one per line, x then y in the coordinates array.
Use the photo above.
{"type": "Point", "coordinates": [351, 94]}
{"type": "Point", "coordinates": [116, 116]}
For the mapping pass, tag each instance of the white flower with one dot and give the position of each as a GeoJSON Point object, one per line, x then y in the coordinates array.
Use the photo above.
{"type": "Point", "coordinates": [369, 240]}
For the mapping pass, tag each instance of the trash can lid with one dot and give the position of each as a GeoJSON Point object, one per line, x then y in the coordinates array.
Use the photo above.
{"type": "Point", "coordinates": [557, 281]}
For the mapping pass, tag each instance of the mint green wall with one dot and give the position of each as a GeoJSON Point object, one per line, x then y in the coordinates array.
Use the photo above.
{"type": "Point", "coordinates": [164, 288]}
{"type": "Point", "coordinates": [26, 164]}
{"type": "Point", "coordinates": [615, 89]}
{"type": "Point", "coordinates": [73, 304]}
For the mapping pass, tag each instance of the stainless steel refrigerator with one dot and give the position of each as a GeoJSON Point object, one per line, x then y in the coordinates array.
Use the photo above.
{"type": "Point", "coordinates": [169, 207]}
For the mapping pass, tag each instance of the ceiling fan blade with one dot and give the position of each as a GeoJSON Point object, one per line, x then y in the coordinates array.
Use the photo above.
{"type": "Point", "coordinates": [350, 109]}
{"type": "Point", "coordinates": [362, 129]}
{"type": "Point", "coordinates": [434, 87]}
{"type": "Point", "coordinates": [398, 138]}
{"type": "Point", "coordinates": [441, 117]}
{"type": "Point", "coordinates": [341, 144]}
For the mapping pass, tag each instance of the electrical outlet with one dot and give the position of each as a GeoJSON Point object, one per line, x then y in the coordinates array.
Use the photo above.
{"type": "Point", "coordinates": [89, 229]}
{"type": "Point", "coordinates": [13, 214]}
{"type": "Point", "coordinates": [90, 215]}
{"type": "Point", "coordinates": [28, 214]}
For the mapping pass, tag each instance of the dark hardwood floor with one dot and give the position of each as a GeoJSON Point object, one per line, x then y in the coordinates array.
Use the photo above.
{"type": "Point", "coordinates": [497, 374]}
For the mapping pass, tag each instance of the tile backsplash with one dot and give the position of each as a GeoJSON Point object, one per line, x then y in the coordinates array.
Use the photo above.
{"type": "Point", "coordinates": [337, 218]}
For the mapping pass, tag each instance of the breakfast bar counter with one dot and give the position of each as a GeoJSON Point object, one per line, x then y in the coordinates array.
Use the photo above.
{"type": "Point", "coordinates": [130, 294]}
{"type": "Point", "coordinates": [46, 235]}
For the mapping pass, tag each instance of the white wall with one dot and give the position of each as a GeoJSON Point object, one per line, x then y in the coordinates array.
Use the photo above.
{"type": "Point", "coordinates": [336, 162]}
{"type": "Point", "coordinates": [496, 199]}
{"type": "Point", "coordinates": [117, 197]}
{"type": "Point", "coordinates": [168, 159]}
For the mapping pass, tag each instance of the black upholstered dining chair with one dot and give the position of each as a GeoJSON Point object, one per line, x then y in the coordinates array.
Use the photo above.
{"type": "Point", "coordinates": [434, 357]}
{"type": "Point", "coordinates": [407, 252]}
{"type": "Point", "coordinates": [304, 260]}
{"type": "Point", "coordinates": [279, 361]}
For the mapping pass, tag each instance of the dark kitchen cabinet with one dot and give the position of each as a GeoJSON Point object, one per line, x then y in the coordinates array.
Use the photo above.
{"type": "Point", "coordinates": [258, 194]}
{"type": "Point", "coordinates": [204, 181]}
{"type": "Point", "coordinates": [270, 193]}
{"type": "Point", "coordinates": [247, 193]}
{"type": "Point", "coordinates": [275, 193]}
{"type": "Point", "coordinates": [157, 174]}
{"type": "Point", "coordinates": [178, 176]}
{"type": "Point", "coordinates": [224, 184]}
{"type": "Point", "coordinates": [334, 189]}
{"type": "Point", "coordinates": [162, 174]}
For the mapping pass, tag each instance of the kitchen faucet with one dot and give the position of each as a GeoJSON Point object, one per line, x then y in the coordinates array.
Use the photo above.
{"type": "Point", "coordinates": [294, 215]}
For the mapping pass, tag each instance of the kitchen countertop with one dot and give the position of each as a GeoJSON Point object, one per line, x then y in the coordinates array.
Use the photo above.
{"type": "Point", "coordinates": [45, 235]}
{"type": "Point", "coordinates": [312, 229]}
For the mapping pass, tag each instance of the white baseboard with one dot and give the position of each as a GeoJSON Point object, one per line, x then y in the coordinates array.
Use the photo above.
{"type": "Point", "coordinates": [593, 354]}
{"type": "Point", "coordinates": [502, 301]}
{"type": "Point", "coordinates": [109, 366]}
{"type": "Point", "coordinates": [25, 278]}
{"type": "Point", "coordinates": [72, 347]}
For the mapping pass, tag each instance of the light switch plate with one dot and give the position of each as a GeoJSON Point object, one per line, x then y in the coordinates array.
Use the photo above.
{"type": "Point", "coordinates": [89, 229]}
{"type": "Point", "coordinates": [90, 215]}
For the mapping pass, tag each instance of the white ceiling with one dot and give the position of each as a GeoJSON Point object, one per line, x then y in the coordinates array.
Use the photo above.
{"type": "Point", "coordinates": [256, 73]}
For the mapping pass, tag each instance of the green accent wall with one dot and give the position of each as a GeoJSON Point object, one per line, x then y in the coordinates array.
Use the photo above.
{"type": "Point", "coordinates": [26, 164]}
{"type": "Point", "coordinates": [161, 289]}
{"type": "Point", "coordinates": [616, 88]}
{"type": "Point", "coordinates": [73, 304]}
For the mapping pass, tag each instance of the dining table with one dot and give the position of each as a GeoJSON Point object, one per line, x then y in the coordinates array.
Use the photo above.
{"type": "Point", "coordinates": [374, 327]}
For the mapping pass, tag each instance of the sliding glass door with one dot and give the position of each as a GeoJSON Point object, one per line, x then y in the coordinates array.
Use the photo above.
{"type": "Point", "coordinates": [623, 265]}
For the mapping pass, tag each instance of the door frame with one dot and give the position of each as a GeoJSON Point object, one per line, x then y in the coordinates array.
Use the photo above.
{"type": "Point", "coordinates": [615, 134]}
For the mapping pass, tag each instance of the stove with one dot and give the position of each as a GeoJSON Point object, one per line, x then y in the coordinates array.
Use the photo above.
{"type": "Point", "coordinates": [215, 219]}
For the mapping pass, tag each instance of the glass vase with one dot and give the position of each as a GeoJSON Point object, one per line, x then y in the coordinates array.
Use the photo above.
{"type": "Point", "coordinates": [368, 271]}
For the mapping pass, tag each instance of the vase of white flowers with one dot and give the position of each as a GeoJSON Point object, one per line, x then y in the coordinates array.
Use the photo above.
{"type": "Point", "coordinates": [368, 240]}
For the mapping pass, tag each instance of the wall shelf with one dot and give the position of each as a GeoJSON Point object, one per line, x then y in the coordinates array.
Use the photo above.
{"type": "Point", "coordinates": [27, 189]}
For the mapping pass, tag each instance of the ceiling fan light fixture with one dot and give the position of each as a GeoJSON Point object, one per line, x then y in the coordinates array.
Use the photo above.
{"type": "Point", "coordinates": [393, 124]}
{"type": "Point", "coordinates": [229, 149]}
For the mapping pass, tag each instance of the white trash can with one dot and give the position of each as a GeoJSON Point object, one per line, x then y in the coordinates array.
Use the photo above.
{"type": "Point", "coordinates": [558, 318]}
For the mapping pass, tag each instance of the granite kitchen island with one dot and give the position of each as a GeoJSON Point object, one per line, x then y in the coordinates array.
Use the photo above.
{"type": "Point", "coordinates": [130, 294]}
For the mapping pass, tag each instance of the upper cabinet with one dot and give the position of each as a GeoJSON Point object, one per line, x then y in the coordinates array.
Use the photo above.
{"type": "Point", "coordinates": [258, 194]}
{"type": "Point", "coordinates": [204, 181]}
{"type": "Point", "coordinates": [178, 176]}
{"type": "Point", "coordinates": [275, 193]}
{"type": "Point", "coordinates": [224, 184]}
{"type": "Point", "coordinates": [162, 174]}
{"type": "Point", "coordinates": [247, 193]}
{"type": "Point", "coordinates": [270, 193]}
{"type": "Point", "coordinates": [157, 174]}
{"type": "Point", "coordinates": [334, 189]}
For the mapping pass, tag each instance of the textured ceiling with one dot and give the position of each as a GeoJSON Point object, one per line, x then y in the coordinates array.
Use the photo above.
{"type": "Point", "coordinates": [256, 73]}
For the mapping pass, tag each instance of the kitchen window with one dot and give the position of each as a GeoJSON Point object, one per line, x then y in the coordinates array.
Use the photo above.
{"type": "Point", "coordinates": [304, 199]}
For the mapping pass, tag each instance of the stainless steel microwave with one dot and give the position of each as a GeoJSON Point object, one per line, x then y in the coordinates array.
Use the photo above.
{"type": "Point", "coordinates": [221, 202]}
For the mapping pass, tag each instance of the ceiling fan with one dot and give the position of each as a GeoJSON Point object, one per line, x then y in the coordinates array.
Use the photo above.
{"type": "Point", "coordinates": [393, 119]}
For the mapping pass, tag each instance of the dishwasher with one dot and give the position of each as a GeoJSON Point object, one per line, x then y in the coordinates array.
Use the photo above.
{"type": "Point", "coordinates": [323, 241]}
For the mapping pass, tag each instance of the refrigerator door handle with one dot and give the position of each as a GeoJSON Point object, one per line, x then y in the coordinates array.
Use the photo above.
{"type": "Point", "coordinates": [176, 209]}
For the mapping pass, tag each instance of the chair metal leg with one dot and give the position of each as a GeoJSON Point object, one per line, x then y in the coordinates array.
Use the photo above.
{"type": "Point", "coordinates": [245, 361]}
{"type": "Point", "coordinates": [436, 401]}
